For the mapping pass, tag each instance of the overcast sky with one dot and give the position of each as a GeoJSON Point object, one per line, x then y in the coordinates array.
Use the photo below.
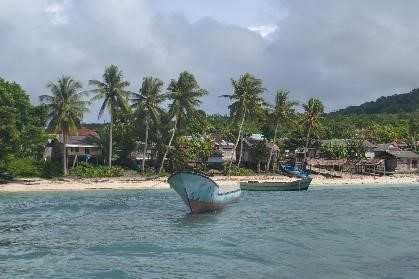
{"type": "Point", "coordinates": [345, 52]}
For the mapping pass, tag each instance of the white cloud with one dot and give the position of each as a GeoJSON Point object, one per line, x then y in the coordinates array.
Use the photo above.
{"type": "Point", "coordinates": [344, 54]}
{"type": "Point", "coordinates": [264, 30]}
{"type": "Point", "coordinates": [56, 13]}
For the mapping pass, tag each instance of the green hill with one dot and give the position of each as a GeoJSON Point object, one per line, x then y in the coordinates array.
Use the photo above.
{"type": "Point", "coordinates": [398, 103]}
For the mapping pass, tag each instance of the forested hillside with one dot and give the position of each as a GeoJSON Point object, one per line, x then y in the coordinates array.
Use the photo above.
{"type": "Point", "coordinates": [398, 103]}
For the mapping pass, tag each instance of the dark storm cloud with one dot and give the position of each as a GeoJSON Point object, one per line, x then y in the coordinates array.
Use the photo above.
{"type": "Point", "coordinates": [346, 52]}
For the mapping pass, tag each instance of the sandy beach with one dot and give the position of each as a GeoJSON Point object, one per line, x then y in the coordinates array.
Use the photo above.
{"type": "Point", "coordinates": [226, 183]}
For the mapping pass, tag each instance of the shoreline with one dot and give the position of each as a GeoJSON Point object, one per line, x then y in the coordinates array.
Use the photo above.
{"type": "Point", "coordinates": [226, 183]}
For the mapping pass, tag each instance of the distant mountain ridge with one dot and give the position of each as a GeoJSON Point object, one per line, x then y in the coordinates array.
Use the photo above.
{"type": "Point", "coordinates": [398, 103]}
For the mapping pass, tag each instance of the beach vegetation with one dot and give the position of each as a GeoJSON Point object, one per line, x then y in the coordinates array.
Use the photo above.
{"type": "Point", "coordinates": [66, 107]}
{"type": "Point", "coordinates": [246, 102]}
{"type": "Point", "coordinates": [22, 132]}
{"type": "Point", "coordinates": [86, 170]}
{"type": "Point", "coordinates": [114, 96]}
{"type": "Point", "coordinates": [282, 113]}
{"type": "Point", "coordinates": [172, 129]}
{"type": "Point", "coordinates": [313, 110]}
{"type": "Point", "coordinates": [234, 170]}
{"type": "Point", "coordinates": [184, 95]}
{"type": "Point", "coordinates": [191, 152]}
{"type": "Point", "coordinates": [20, 167]}
{"type": "Point", "coordinates": [147, 104]}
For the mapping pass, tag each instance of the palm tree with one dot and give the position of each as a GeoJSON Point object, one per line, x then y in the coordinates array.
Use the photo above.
{"type": "Point", "coordinates": [147, 104]}
{"type": "Point", "coordinates": [282, 112]}
{"type": "Point", "coordinates": [312, 111]}
{"type": "Point", "coordinates": [115, 97]}
{"type": "Point", "coordinates": [65, 109]}
{"type": "Point", "coordinates": [413, 130]}
{"type": "Point", "coordinates": [185, 95]}
{"type": "Point", "coordinates": [246, 99]}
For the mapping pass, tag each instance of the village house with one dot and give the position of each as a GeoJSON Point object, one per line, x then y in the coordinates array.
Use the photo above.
{"type": "Point", "coordinates": [249, 157]}
{"type": "Point", "coordinates": [139, 155]}
{"type": "Point", "coordinates": [80, 147]}
{"type": "Point", "coordinates": [224, 152]}
{"type": "Point", "coordinates": [397, 160]}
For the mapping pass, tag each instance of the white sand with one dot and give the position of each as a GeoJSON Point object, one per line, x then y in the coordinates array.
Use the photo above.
{"type": "Point", "coordinates": [226, 183]}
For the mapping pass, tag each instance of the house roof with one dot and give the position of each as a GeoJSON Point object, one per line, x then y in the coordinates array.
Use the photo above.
{"type": "Point", "coordinates": [87, 132]}
{"type": "Point", "coordinates": [403, 154]}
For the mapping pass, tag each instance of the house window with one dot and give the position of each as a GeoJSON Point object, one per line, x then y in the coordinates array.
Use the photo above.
{"type": "Point", "coordinates": [77, 149]}
{"type": "Point", "coordinates": [87, 151]}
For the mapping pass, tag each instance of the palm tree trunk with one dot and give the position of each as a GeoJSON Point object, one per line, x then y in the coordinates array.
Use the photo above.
{"type": "Point", "coordinates": [272, 149]}
{"type": "Point", "coordinates": [65, 153]}
{"type": "Point", "coordinates": [145, 146]}
{"type": "Point", "coordinates": [168, 147]}
{"type": "Point", "coordinates": [238, 139]}
{"type": "Point", "coordinates": [110, 142]}
{"type": "Point", "coordinates": [240, 154]}
{"type": "Point", "coordinates": [307, 142]}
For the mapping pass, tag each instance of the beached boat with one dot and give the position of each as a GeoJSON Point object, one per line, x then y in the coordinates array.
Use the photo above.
{"type": "Point", "coordinates": [199, 192]}
{"type": "Point", "coordinates": [295, 171]}
{"type": "Point", "coordinates": [298, 185]}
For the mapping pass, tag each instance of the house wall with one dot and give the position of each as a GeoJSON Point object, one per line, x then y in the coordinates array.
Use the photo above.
{"type": "Point", "coordinates": [406, 165]}
{"type": "Point", "coordinates": [58, 148]}
{"type": "Point", "coordinates": [81, 151]}
{"type": "Point", "coordinates": [228, 154]}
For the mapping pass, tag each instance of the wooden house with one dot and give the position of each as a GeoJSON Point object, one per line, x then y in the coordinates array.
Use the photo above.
{"type": "Point", "coordinates": [397, 160]}
{"type": "Point", "coordinates": [250, 156]}
{"type": "Point", "coordinates": [223, 152]}
{"type": "Point", "coordinates": [80, 147]}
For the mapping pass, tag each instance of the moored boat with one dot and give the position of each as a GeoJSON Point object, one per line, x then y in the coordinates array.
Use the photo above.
{"type": "Point", "coordinates": [295, 171]}
{"type": "Point", "coordinates": [199, 192]}
{"type": "Point", "coordinates": [297, 185]}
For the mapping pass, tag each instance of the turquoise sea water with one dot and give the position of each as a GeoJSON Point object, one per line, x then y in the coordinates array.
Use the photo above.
{"type": "Point", "coordinates": [322, 233]}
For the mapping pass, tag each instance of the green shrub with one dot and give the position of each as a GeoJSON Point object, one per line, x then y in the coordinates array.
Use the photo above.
{"type": "Point", "coordinates": [51, 169]}
{"type": "Point", "coordinates": [236, 171]}
{"type": "Point", "coordinates": [85, 170]}
{"type": "Point", "coordinates": [22, 167]}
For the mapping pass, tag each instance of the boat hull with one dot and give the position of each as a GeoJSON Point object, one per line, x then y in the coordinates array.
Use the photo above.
{"type": "Point", "coordinates": [200, 193]}
{"type": "Point", "coordinates": [295, 171]}
{"type": "Point", "coordinates": [298, 185]}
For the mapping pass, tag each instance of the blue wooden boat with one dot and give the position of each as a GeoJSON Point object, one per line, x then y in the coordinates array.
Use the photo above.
{"type": "Point", "coordinates": [295, 171]}
{"type": "Point", "coordinates": [199, 192]}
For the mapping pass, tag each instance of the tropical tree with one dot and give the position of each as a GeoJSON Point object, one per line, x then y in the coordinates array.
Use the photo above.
{"type": "Point", "coordinates": [246, 100]}
{"type": "Point", "coordinates": [312, 113]}
{"type": "Point", "coordinates": [22, 126]}
{"type": "Point", "coordinates": [282, 112]}
{"type": "Point", "coordinates": [66, 107]}
{"type": "Point", "coordinates": [147, 103]}
{"type": "Point", "coordinates": [414, 130]}
{"type": "Point", "coordinates": [184, 95]}
{"type": "Point", "coordinates": [112, 90]}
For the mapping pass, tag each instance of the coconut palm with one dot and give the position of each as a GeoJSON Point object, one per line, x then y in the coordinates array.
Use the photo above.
{"type": "Point", "coordinates": [282, 112]}
{"type": "Point", "coordinates": [184, 95]}
{"type": "Point", "coordinates": [65, 109]}
{"type": "Point", "coordinates": [114, 95]}
{"type": "Point", "coordinates": [147, 103]}
{"type": "Point", "coordinates": [413, 130]}
{"type": "Point", "coordinates": [246, 100]}
{"type": "Point", "coordinates": [312, 112]}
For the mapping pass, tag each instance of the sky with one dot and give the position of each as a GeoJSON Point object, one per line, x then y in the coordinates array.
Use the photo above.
{"type": "Point", "coordinates": [344, 52]}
